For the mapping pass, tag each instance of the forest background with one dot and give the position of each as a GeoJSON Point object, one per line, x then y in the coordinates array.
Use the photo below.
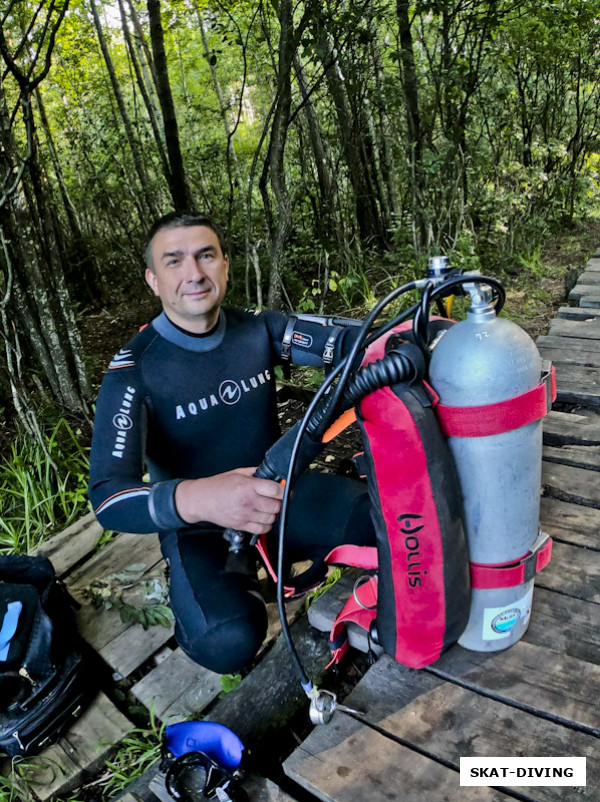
{"type": "Point", "coordinates": [339, 143]}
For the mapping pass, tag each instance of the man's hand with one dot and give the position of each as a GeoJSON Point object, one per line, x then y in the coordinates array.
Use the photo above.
{"type": "Point", "coordinates": [235, 499]}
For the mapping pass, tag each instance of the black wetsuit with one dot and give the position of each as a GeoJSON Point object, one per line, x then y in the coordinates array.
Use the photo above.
{"type": "Point", "coordinates": [183, 407]}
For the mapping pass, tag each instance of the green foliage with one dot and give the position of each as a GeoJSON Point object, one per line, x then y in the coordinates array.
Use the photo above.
{"type": "Point", "coordinates": [229, 682]}
{"type": "Point", "coordinates": [138, 596]}
{"type": "Point", "coordinates": [43, 488]}
{"type": "Point", "coordinates": [13, 788]}
{"type": "Point", "coordinates": [333, 576]}
{"type": "Point", "coordinates": [137, 752]}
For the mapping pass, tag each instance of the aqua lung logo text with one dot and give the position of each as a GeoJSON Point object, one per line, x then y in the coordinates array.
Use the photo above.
{"type": "Point", "coordinates": [410, 524]}
{"type": "Point", "coordinates": [122, 423]}
{"type": "Point", "coordinates": [229, 393]}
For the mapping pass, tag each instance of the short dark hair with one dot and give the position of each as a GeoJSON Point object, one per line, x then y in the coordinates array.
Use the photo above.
{"type": "Point", "coordinates": [185, 220]}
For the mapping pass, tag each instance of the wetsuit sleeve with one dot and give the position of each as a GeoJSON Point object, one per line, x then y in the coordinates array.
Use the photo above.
{"type": "Point", "coordinates": [121, 499]}
{"type": "Point", "coordinates": [310, 339]}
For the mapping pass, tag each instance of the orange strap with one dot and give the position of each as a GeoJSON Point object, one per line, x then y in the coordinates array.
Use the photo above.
{"type": "Point", "coordinates": [337, 427]}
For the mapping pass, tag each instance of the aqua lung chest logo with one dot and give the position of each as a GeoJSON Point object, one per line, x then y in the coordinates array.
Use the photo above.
{"type": "Point", "coordinates": [123, 423]}
{"type": "Point", "coordinates": [229, 392]}
{"type": "Point", "coordinates": [410, 525]}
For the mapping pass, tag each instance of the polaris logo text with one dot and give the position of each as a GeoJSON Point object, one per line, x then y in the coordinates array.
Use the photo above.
{"type": "Point", "coordinates": [229, 393]}
{"type": "Point", "coordinates": [122, 423]}
{"type": "Point", "coordinates": [409, 526]}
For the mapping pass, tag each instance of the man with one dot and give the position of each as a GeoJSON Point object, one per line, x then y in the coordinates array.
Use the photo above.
{"type": "Point", "coordinates": [191, 399]}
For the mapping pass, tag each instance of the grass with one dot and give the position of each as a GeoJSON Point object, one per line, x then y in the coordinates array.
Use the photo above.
{"type": "Point", "coordinates": [43, 488]}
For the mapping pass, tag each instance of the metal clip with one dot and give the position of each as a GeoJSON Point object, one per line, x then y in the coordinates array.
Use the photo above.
{"type": "Point", "coordinates": [15, 735]}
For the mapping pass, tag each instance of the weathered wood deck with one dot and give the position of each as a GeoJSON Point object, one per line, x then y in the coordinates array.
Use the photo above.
{"type": "Point", "coordinates": [538, 698]}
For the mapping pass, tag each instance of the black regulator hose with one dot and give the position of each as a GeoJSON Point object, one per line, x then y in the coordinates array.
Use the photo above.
{"type": "Point", "coordinates": [344, 368]}
{"type": "Point", "coordinates": [435, 294]}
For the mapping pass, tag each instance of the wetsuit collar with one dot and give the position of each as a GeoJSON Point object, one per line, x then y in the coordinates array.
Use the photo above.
{"type": "Point", "coordinates": [174, 335]}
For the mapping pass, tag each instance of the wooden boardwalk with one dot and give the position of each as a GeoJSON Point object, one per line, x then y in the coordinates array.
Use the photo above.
{"type": "Point", "coordinates": [538, 698]}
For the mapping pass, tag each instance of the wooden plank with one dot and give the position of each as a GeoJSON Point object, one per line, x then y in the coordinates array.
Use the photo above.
{"type": "Point", "coordinates": [580, 329]}
{"type": "Point", "coordinates": [347, 761]}
{"type": "Point", "coordinates": [567, 357]}
{"type": "Point", "coordinates": [127, 549]}
{"type": "Point", "coordinates": [72, 545]}
{"type": "Point", "coordinates": [580, 290]}
{"type": "Point", "coordinates": [451, 722]}
{"type": "Point", "coordinates": [577, 313]}
{"type": "Point", "coordinates": [589, 277]}
{"type": "Point", "coordinates": [555, 685]}
{"type": "Point", "coordinates": [124, 646]}
{"type": "Point", "coordinates": [561, 428]}
{"type": "Point", "coordinates": [82, 749]}
{"type": "Point", "coordinates": [574, 571]}
{"type": "Point", "coordinates": [577, 385]}
{"type": "Point", "coordinates": [570, 523]}
{"type": "Point", "coordinates": [133, 646]}
{"type": "Point", "coordinates": [566, 625]}
{"type": "Point", "coordinates": [177, 687]}
{"type": "Point", "coordinates": [576, 456]}
{"type": "Point", "coordinates": [577, 485]}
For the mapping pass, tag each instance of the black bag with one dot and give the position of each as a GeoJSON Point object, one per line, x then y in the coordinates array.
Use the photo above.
{"type": "Point", "coordinates": [41, 662]}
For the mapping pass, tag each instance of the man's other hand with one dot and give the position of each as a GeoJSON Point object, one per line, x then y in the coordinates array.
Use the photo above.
{"type": "Point", "coordinates": [235, 499]}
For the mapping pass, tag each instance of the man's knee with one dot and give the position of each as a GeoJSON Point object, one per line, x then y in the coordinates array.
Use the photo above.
{"type": "Point", "coordinates": [228, 647]}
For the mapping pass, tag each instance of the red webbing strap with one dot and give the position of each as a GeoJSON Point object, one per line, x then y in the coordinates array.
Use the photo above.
{"type": "Point", "coordinates": [358, 556]}
{"type": "Point", "coordinates": [500, 417]}
{"type": "Point", "coordinates": [261, 545]}
{"type": "Point", "coordinates": [487, 577]}
{"type": "Point", "coordinates": [361, 609]}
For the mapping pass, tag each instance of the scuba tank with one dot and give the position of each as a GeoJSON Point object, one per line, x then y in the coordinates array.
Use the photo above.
{"type": "Point", "coordinates": [486, 371]}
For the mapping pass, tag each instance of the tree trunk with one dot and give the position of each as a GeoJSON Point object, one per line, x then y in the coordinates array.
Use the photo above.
{"type": "Point", "coordinates": [146, 97]}
{"type": "Point", "coordinates": [178, 185]}
{"type": "Point", "coordinates": [413, 122]}
{"type": "Point", "coordinates": [353, 147]}
{"type": "Point", "coordinates": [88, 277]}
{"type": "Point", "coordinates": [275, 157]}
{"type": "Point", "coordinates": [32, 265]}
{"type": "Point", "coordinates": [138, 161]}
{"type": "Point", "coordinates": [327, 221]}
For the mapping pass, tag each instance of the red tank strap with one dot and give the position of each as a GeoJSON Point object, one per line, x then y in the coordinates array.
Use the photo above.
{"type": "Point", "coordinates": [486, 577]}
{"type": "Point", "coordinates": [500, 417]}
{"type": "Point", "coordinates": [358, 556]}
{"type": "Point", "coordinates": [261, 546]}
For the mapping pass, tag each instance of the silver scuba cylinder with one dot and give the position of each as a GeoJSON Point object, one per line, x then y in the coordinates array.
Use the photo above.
{"type": "Point", "coordinates": [480, 361]}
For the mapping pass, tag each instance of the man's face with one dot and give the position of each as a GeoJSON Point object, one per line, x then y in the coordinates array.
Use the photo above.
{"type": "Point", "coordinates": [190, 275]}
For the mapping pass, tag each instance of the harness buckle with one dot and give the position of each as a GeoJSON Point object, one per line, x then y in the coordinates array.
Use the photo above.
{"type": "Point", "coordinates": [286, 343]}
{"type": "Point", "coordinates": [531, 565]}
{"type": "Point", "coordinates": [546, 380]}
